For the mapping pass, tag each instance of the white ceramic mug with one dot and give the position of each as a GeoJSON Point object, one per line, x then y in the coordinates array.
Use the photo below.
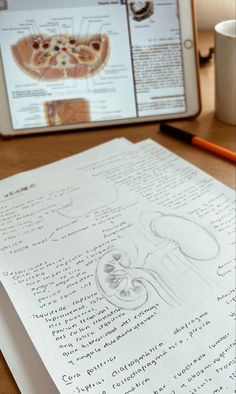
{"type": "Point", "coordinates": [225, 71]}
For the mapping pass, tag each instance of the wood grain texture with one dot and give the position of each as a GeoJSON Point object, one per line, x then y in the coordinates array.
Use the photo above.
{"type": "Point", "coordinates": [28, 152]}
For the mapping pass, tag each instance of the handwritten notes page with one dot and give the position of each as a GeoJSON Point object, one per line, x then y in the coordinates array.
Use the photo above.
{"type": "Point", "coordinates": [22, 358]}
{"type": "Point", "coordinates": [122, 271]}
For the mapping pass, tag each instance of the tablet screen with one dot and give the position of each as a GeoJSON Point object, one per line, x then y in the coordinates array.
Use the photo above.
{"type": "Point", "coordinates": [79, 62]}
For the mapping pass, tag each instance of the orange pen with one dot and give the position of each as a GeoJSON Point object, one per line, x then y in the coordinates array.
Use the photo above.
{"type": "Point", "coordinates": [198, 141]}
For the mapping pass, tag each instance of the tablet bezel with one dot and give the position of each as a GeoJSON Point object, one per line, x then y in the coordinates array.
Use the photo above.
{"type": "Point", "coordinates": [191, 82]}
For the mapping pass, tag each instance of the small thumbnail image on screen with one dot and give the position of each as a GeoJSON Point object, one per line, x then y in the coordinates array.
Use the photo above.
{"type": "Point", "coordinates": [3, 5]}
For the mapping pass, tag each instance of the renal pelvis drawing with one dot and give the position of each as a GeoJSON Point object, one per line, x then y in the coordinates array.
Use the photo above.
{"type": "Point", "coordinates": [148, 260]}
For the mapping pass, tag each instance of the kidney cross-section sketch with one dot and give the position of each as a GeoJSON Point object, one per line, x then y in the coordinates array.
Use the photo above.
{"type": "Point", "coordinates": [170, 246]}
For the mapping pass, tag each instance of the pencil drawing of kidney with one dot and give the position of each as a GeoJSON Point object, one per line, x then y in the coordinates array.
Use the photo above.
{"type": "Point", "coordinates": [119, 282]}
{"type": "Point", "coordinates": [189, 243]}
{"type": "Point", "coordinates": [86, 198]}
{"type": "Point", "coordinates": [126, 284]}
{"type": "Point", "coordinates": [126, 281]}
{"type": "Point", "coordinates": [193, 240]}
{"type": "Point", "coordinates": [180, 242]}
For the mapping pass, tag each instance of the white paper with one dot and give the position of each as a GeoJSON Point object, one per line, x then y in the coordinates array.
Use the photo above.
{"type": "Point", "coordinates": [122, 271]}
{"type": "Point", "coordinates": [22, 358]}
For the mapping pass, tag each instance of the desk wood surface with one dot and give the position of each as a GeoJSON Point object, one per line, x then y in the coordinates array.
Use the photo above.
{"type": "Point", "coordinates": [28, 152]}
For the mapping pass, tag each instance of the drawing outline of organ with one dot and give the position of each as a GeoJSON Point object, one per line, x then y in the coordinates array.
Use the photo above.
{"type": "Point", "coordinates": [125, 281]}
{"type": "Point", "coordinates": [178, 230]}
{"type": "Point", "coordinates": [61, 56]}
{"type": "Point", "coordinates": [181, 242]}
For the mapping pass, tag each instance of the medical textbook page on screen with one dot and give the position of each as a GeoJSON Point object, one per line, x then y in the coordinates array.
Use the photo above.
{"type": "Point", "coordinates": [83, 63]}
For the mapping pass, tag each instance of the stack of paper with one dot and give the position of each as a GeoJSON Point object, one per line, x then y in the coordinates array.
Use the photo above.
{"type": "Point", "coordinates": [118, 271]}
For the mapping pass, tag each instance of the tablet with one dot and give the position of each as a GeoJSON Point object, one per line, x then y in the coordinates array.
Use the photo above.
{"type": "Point", "coordinates": [78, 64]}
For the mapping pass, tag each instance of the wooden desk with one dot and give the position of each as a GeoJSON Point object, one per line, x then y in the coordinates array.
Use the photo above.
{"type": "Point", "coordinates": [25, 153]}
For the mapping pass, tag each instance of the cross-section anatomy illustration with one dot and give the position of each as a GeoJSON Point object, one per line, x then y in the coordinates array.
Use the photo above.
{"type": "Point", "coordinates": [60, 112]}
{"type": "Point", "coordinates": [141, 10]}
{"type": "Point", "coordinates": [60, 56]}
